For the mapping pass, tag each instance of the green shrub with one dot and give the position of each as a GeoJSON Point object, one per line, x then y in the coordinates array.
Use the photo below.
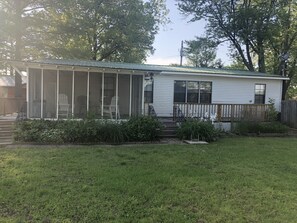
{"type": "Point", "coordinates": [31, 130]}
{"type": "Point", "coordinates": [81, 131]}
{"type": "Point", "coordinates": [195, 129]}
{"type": "Point", "coordinates": [260, 127]}
{"type": "Point", "coordinates": [68, 131]}
{"type": "Point", "coordinates": [272, 112]}
{"type": "Point", "coordinates": [142, 128]}
{"type": "Point", "coordinates": [52, 136]}
{"type": "Point", "coordinates": [88, 131]}
{"type": "Point", "coordinates": [112, 133]}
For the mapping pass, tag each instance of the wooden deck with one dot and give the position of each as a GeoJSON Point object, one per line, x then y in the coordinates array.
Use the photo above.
{"type": "Point", "coordinates": [222, 112]}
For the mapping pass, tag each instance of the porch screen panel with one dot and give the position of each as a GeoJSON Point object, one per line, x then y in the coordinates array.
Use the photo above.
{"type": "Point", "coordinates": [179, 91]}
{"type": "Point", "coordinates": [124, 95]}
{"type": "Point", "coordinates": [137, 85]}
{"type": "Point", "coordinates": [35, 93]}
{"type": "Point", "coordinates": [95, 97]}
{"type": "Point", "coordinates": [50, 93]}
{"type": "Point", "coordinates": [109, 101]}
{"type": "Point", "coordinates": [205, 92]}
{"type": "Point", "coordinates": [65, 94]}
{"type": "Point", "coordinates": [80, 94]}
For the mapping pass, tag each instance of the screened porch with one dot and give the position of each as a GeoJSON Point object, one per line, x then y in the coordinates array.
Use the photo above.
{"type": "Point", "coordinates": [62, 94]}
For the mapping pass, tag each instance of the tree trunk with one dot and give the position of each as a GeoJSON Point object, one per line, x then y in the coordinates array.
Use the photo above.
{"type": "Point", "coordinates": [261, 59]}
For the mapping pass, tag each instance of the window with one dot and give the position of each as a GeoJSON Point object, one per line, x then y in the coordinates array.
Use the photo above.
{"type": "Point", "coordinates": [260, 90]}
{"type": "Point", "coordinates": [148, 91]}
{"type": "Point", "coordinates": [192, 92]}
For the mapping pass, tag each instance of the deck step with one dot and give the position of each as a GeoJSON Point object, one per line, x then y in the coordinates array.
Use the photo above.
{"type": "Point", "coordinates": [6, 132]}
{"type": "Point", "coordinates": [169, 128]}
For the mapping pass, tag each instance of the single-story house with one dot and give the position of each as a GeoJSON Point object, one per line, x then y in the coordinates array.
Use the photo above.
{"type": "Point", "coordinates": [73, 88]}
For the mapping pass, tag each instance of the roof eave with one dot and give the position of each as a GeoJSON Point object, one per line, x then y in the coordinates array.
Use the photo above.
{"type": "Point", "coordinates": [44, 65]}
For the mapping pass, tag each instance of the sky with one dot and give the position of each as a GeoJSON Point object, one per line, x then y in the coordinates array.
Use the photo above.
{"type": "Point", "coordinates": [168, 41]}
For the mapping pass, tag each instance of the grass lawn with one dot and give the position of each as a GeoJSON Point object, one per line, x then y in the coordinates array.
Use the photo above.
{"type": "Point", "coordinates": [232, 180]}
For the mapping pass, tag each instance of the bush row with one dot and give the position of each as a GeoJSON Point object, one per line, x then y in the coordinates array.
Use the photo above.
{"type": "Point", "coordinates": [137, 129]}
{"type": "Point", "coordinates": [260, 127]}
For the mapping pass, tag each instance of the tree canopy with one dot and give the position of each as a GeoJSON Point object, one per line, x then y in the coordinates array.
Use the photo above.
{"type": "Point", "coordinates": [16, 21]}
{"type": "Point", "coordinates": [201, 52]}
{"type": "Point", "coordinates": [260, 31]}
{"type": "Point", "coordinates": [113, 30]}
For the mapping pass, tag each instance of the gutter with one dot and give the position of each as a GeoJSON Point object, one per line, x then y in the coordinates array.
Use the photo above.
{"type": "Point", "coordinates": [225, 75]}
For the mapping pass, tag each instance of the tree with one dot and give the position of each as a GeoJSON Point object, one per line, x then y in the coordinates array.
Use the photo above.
{"type": "Point", "coordinates": [255, 28]}
{"type": "Point", "coordinates": [201, 52]}
{"type": "Point", "coordinates": [14, 22]}
{"type": "Point", "coordinates": [112, 30]}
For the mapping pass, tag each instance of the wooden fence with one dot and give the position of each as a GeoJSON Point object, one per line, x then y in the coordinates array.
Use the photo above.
{"type": "Point", "coordinates": [222, 112]}
{"type": "Point", "coordinates": [289, 113]}
{"type": "Point", "coordinates": [11, 105]}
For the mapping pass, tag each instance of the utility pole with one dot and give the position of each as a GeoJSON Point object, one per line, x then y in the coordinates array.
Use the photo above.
{"type": "Point", "coordinates": [181, 53]}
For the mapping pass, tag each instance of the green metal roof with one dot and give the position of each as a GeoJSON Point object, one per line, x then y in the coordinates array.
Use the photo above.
{"type": "Point", "coordinates": [153, 68]}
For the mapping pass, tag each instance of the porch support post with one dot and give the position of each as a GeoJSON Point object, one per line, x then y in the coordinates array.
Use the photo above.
{"type": "Point", "coordinates": [58, 92]}
{"type": "Point", "coordinates": [102, 95]}
{"type": "Point", "coordinates": [117, 94]}
{"type": "Point", "coordinates": [130, 101]}
{"type": "Point", "coordinates": [27, 93]}
{"type": "Point", "coordinates": [88, 92]}
{"type": "Point", "coordinates": [41, 103]}
{"type": "Point", "coordinates": [72, 100]}
{"type": "Point", "coordinates": [142, 100]}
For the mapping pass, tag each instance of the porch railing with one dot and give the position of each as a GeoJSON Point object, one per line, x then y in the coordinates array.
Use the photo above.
{"type": "Point", "coordinates": [223, 112]}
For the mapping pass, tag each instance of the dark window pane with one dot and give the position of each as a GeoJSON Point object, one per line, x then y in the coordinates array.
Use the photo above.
{"type": "Point", "coordinates": [179, 91]}
{"type": "Point", "coordinates": [192, 91]}
{"type": "Point", "coordinates": [259, 99]}
{"type": "Point", "coordinates": [205, 92]}
{"type": "Point", "coordinates": [205, 98]}
{"type": "Point", "coordinates": [148, 91]}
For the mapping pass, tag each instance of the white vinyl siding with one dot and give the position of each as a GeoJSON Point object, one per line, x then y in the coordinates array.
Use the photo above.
{"type": "Point", "coordinates": [225, 90]}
